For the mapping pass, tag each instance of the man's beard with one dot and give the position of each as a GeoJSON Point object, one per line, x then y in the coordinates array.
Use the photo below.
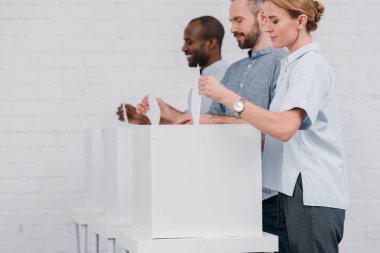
{"type": "Point", "coordinates": [198, 58]}
{"type": "Point", "coordinates": [250, 39]}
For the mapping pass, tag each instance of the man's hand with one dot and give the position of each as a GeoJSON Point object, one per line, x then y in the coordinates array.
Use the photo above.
{"type": "Point", "coordinates": [187, 119]}
{"type": "Point", "coordinates": [120, 112]}
{"type": "Point", "coordinates": [143, 107]}
{"type": "Point", "coordinates": [133, 116]}
{"type": "Point", "coordinates": [169, 114]}
{"type": "Point", "coordinates": [184, 119]}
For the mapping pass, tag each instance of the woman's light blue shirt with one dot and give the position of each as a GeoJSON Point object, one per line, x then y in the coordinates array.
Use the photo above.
{"type": "Point", "coordinates": [316, 150]}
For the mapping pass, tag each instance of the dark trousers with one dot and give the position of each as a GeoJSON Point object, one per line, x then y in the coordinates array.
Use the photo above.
{"type": "Point", "coordinates": [272, 224]}
{"type": "Point", "coordinates": [310, 229]}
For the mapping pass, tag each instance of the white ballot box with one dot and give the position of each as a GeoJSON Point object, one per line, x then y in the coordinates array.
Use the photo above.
{"type": "Point", "coordinates": [197, 181]}
{"type": "Point", "coordinates": [119, 174]}
{"type": "Point", "coordinates": [94, 170]}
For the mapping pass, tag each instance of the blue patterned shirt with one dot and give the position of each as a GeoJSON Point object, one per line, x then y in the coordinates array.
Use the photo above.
{"type": "Point", "coordinates": [253, 78]}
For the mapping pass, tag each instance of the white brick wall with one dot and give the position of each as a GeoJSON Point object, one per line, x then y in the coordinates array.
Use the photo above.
{"type": "Point", "coordinates": [350, 38]}
{"type": "Point", "coordinates": [65, 65]}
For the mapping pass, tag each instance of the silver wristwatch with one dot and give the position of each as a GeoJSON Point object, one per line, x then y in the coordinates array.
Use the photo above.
{"type": "Point", "coordinates": [239, 106]}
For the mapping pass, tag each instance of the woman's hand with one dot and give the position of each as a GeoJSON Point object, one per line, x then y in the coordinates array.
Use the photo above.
{"type": "Point", "coordinates": [208, 86]}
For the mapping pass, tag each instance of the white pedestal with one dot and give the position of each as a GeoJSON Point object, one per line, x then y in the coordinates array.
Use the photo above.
{"type": "Point", "coordinates": [94, 169]}
{"type": "Point", "coordinates": [119, 175]}
{"type": "Point", "coordinates": [94, 194]}
{"type": "Point", "coordinates": [197, 181]}
{"type": "Point", "coordinates": [117, 185]}
{"type": "Point", "coordinates": [106, 228]}
{"type": "Point", "coordinates": [81, 218]}
{"type": "Point", "coordinates": [135, 242]}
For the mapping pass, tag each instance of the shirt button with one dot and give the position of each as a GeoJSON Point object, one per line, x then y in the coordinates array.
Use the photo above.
{"type": "Point", "coordinates": [241, 85]}
{"type": "Point", "coordinates": [249, 66]}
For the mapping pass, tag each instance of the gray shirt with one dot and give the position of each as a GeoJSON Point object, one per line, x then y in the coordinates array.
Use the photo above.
{"type": "Point", "coordinates": [253, 78]}
{"type": "Point", "coordinates": [217, 70]}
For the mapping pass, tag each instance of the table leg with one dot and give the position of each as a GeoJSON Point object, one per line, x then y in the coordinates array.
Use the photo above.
{"type": "Point", "coordinates": [83, 239]}
{"type": "Point", "coordinates": [94, 243]}
{"type": "Point", "coordinates": [111, 245]}
{"type": "Point", "coordinates": [77, 237]}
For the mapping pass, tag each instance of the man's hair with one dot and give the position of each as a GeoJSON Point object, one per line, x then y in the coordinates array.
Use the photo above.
{"type": "Point", "coordinates": [210, 28]}
{"type": "Point", "coordinates": [255, 5]}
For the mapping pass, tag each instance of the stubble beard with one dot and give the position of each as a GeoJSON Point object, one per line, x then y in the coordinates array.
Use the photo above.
{"type": "Point", "coordinates": [251, 38]}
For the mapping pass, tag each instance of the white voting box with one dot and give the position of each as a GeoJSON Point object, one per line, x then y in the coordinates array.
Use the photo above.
{"type": "Point", "coordinates": [119, 174]}
{"type": "Point", "coordinates": [94, 169]}
{"type": "Point", "coordinates": [197, 181]}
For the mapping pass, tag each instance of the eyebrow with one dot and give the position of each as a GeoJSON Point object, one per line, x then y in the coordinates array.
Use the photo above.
{"type": "Point", "coordinates": [235, 18]}
{"type": "Point", "coordinates": [272, 17]}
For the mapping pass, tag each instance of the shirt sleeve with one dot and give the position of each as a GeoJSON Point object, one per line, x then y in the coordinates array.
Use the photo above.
{"type": "Point", "coordinates": [308, 84]}
{"type": "Point", "coordinates": [188, 109]}
{"type": "Point", "coordinates": [273, 83]}
{"type": "Point", "coordinates": [217, 108]}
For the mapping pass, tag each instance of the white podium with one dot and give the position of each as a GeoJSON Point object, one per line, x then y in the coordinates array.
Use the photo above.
{"type": "Point", "coordinates": [117, 184]}
{"type": "Point", "coordinates": [94, 195]}
{"type": "Point", "coordinates": [118, 152]}
{"type": "Point", "coordinates": [197, 181]}
{"type": "Point", "coordinates": [94, 169]}
{"type": "Point", "coordinates": [180, 189]}
{"type": "Point", "coordinates": [135, 242]}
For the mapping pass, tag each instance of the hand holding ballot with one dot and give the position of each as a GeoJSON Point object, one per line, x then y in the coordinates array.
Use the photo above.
{"type": "Point", "coordinates": [132, 116]}
{"type": "Point", "coordinates": [143, 106]}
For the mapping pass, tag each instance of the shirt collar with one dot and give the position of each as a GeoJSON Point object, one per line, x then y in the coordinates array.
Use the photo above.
{"type": "Point", "coordinates": [213, 67]}
{"type": "Point", "coordinates": [299, 53]}
{"type": "Point", "coordinates": [259, 53]}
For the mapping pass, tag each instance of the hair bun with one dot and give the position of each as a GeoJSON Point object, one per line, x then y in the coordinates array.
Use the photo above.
{"type": "Point", "coordinates": [319, 9]}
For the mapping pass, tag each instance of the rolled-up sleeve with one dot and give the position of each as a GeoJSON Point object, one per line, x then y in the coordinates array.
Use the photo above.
{"type": "Point", "coordinates": [307, 86]}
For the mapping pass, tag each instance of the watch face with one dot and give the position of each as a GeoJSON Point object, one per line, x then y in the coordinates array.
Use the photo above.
{"type": "Point", "coordinates": [239, 106]}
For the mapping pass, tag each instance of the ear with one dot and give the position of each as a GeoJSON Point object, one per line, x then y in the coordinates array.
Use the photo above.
{"type": "Point", "coordinates": [211, 44]}
{"type": "Point", "coordinates": [261, 18]}
{"type": "Point", "coordinates": [302, 21]}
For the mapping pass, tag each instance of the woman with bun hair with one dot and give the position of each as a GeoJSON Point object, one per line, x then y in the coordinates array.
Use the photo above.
{"type": "Point", "coordinates": [303, 155]}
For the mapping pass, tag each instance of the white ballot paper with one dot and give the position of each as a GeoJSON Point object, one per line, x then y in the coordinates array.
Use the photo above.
{"type": "Point", "coordinates": [154, 113]}
{"type": "Point", "coordinates": [196, 103]}
{"type": "Point", "coordinates": [124, 113]}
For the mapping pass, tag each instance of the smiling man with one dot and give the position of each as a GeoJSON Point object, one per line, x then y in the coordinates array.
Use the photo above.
{"type": "Point", "coordinates": [203, 38]}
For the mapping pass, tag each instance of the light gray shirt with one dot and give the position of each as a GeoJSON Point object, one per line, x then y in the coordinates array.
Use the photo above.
{"type": "Point", "coordinates": [217, 70]}
{"type": "Point", "coordinates": [316, 150]}
{"type": "Point", "coordinates": [253, 78]}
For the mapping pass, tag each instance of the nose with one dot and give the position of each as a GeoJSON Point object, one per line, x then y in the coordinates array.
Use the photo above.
{"type": "Point", "coordinates": [233, 28]}
{"type": "Point", "coordinates": [267, 26]}
{"type": "Point", "coordinates": [184, 47]}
